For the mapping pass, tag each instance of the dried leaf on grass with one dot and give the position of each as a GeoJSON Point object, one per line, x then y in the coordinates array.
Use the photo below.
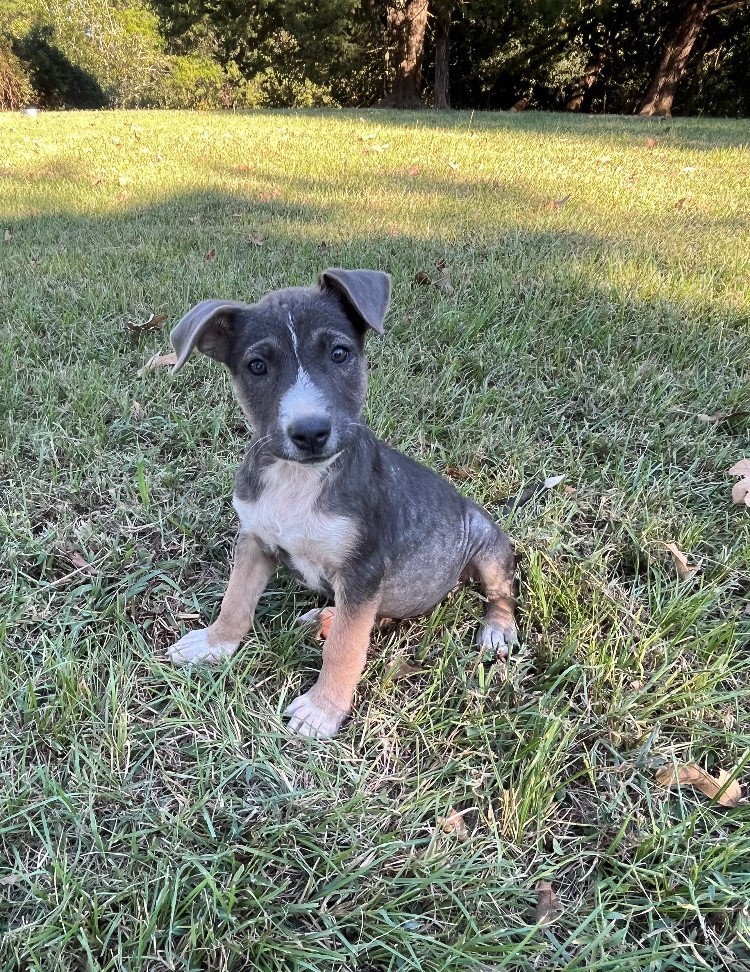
{"type": "Point", "coordinates": [255, 239]}
{"type": "Point", "coordinates": [211, 255]}
{"type": "Point", "coordinates": [453, 823]}
{"type": "Point", "coordinates": [441, 282]}
{"type": "Point", "coordinates": [690, 774]}
{"type": "Point", "coordinates": [9, 879]}
{"type": "Point", "coordinates": [741, 489]}
{"type": "Point", "coordinates": [454, 472]}
{"type": "Point", "coordinates": [159, 361]}
{"type": "Point", "coordinates": [684, 570]}
{"type": "Point", "coordinates": [405, 670]}
{"type": "Point", "coordinates": [558, 203]}
{"type": "Point", "coordinates": [8, 236]}
{"type": "Point", "coordinates": [137, 411]}
{"type": "Point", "coordinates": [152, 324]}
{"type": "Point", "coordinates": [547, 904]}
{"type": "Point", "coordinates": [76, 560]}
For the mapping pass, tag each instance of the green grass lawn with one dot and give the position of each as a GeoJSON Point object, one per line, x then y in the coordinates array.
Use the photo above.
{"type": "Point", "coordinates": [162, 819]}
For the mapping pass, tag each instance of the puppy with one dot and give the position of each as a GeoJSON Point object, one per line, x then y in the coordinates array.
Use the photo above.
{"type": "Point", "coordinates": [357, 521]}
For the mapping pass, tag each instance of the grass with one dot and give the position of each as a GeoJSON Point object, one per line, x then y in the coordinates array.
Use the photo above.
{"type": "Point", "coordinates": [158, 819]}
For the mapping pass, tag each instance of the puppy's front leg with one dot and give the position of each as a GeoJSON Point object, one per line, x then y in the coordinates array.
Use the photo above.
{"type": "Point", "coordinates": [250, 573]}
{"type": "Point", "coordinates": [321, 710]}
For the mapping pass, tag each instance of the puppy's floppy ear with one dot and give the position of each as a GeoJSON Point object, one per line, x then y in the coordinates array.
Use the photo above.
{"type": "Point", "coordinates": [209, 326]}
{"type": "Point", "coordinates": [367, 292]}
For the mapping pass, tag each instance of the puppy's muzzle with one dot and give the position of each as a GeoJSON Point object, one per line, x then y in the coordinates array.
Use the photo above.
{"type": "Point", "coordinates": [310, 435]}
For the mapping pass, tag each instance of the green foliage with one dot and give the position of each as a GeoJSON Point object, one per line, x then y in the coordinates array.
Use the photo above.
{"type": "Point", "coordinates": [194, 81]}
{"type": "Point", "coordinates": [293, 53]}
{"type": "Point", "coordinates": [16, 89]}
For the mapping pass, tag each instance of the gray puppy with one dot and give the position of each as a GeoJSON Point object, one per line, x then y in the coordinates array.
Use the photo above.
{"type": "Point", "coordinates": [381, 535]}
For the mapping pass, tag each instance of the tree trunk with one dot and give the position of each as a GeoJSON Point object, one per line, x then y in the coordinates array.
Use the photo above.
{"type": "Point", "coordinates": [583, 89]}
{"type": "Point", "coordinates": [441, 92]}
{"type": "Point", "coordinates": [677, 49]}
{"type": "Point", "coordinates": [406, 25]}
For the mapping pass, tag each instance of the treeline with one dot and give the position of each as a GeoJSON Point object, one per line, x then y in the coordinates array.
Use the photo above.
{"type": "Point", "coordinates": [647, 56]}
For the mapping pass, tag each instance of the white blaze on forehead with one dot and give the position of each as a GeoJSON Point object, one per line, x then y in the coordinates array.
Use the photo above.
{"type": "Point", "coordinates": [303, 399]}
{"type": "Point", "coordinates": [295, 345]}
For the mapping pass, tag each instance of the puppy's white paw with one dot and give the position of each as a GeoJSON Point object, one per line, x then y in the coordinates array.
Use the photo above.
{"type": "Point", "coordinates": [496, 640]}
{"type": "Point", "coordinates": [314, 716]}
{"type": "Point", "coordinates": [198, 647]}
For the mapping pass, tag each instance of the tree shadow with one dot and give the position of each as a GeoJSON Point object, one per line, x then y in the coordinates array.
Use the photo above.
{"type": "Point", "coordinates": [57, 81]}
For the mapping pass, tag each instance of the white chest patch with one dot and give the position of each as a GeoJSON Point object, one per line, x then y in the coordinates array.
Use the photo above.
{"type": "Point", "coordinates": [284, 516]}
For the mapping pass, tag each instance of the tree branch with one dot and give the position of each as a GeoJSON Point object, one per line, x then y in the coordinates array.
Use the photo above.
{"type": "Point", "coordinates": [728, 6]}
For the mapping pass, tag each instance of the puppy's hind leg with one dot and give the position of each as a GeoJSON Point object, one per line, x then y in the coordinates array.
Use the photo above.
{"type": "Point", "coordinates": [494, 565]}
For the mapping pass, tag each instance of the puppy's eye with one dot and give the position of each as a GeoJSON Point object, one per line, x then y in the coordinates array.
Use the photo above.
{"type": "Point", "coordinates": [339, 354]}
{"type": "Point", "coordinates": [257, 367]}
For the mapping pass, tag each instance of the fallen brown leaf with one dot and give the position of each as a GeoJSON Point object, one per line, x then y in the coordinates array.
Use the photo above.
{"type": "Point", "coordinates": [684, 570]}
{"type": "Point", "coordinates": [137, 411]}
{"type": "Point", "coordinates": [413, 170]}
{"type": "Point", "coordinates": [558, 203]}
{"type": "Point", "coordinates": [405, 670]}
{"type": "Point", "coordinates": [690, 774]}
{"type": "Point", "coordinates": [152, 324]}
{"type": "Point", "coordinates": [680, 204]}
{"type": "Point", "coordinates": [547, 904]}
{"type": "Point", "coordinates": [741, 489]}
{"type": "Point", "coordinates": [453, 823]}
{"type": "Point", "coordinates": [455, 473]}
{"type": "Point", "coordinates": [650, 142]}
{"type": "Point", "coordinates": [76, 560]}
{"type": "Point", "coordinates": [422, 278]}
{"type": "Point", "coordinates": [159, 361]}
{"type": "Point", "coordinates": [569, 490]}
{"type": "Point", "coordinates": [741, 492]}
{"type": "Point", "coordinates": [255, 239]}
{"type": "Point", "coordinates": [443, 283]}
{"type": "Point", "coordinates": [211, 255]}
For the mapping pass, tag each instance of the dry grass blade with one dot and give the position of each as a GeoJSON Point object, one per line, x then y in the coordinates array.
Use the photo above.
{"type": "Point", "coordinates": [714, 787]}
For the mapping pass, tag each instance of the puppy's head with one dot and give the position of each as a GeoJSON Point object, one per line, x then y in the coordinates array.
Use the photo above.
{"type": "Point", "coordinates": [296, 358]}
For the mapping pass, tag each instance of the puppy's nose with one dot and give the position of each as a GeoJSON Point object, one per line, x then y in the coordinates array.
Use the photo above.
{"type": "Point", "coordinates": [310, 434]}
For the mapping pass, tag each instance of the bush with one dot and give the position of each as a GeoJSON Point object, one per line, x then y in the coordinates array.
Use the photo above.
{"type": "Point", "coordinates": [194, 81]}
{"type": "Point", "coordinates": [15, 85]}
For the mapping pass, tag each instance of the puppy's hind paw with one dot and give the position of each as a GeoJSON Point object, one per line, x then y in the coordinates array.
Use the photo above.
{"type": "Point", "coordinates": [320, 618]}
{"type": "Point", "coordinates": [198, 647]}
{"type": "Point", "coordinates": [314, 716]}
{"type": "Point", "coordinates": [496, 640]}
